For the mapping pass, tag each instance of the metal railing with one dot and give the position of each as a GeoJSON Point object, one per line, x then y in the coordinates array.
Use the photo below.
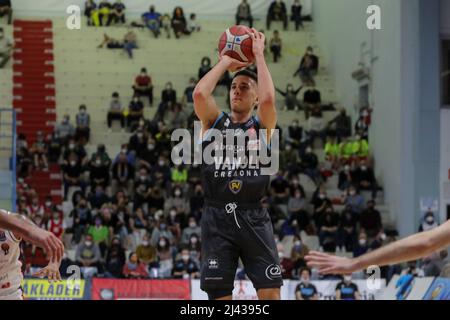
{"type": "Point", "coordinates": [8, 139]}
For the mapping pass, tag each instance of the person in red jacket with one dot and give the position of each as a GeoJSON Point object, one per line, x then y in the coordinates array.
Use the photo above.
{"type": "Point", "coordinates": [134, 269]}
{"type": "Point", "coordinates": [55, 224]}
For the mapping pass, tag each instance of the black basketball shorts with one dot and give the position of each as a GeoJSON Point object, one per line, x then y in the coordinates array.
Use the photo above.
{"type": "Point", "coordinates": [231, 231]}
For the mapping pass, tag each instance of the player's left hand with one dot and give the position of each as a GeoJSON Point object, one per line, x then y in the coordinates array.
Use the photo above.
{"type": "Point", "coordinates": [330, 264]}
{"type": "Point", "coordinates": [51, 272]}
{"type": "Point", "coordinates": [258, 40]}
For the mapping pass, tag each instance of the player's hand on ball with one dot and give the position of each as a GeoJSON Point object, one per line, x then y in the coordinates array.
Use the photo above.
{"type": "Point", "coordinates": [258, 40]}
{"type": "Point", "coordinates": [51, 272]}
{"type": "Point", "coordinates": [233, 65]}
{"type": "Point", "coordinates": [330, 264]}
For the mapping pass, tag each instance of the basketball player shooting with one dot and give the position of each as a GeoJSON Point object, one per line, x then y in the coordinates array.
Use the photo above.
{"type": "Point", "coordinates": [13, 228]}
{"type": "Point", "coordinates": [233, 224]}
{"type": "Point", "coordinates": [410, 248]}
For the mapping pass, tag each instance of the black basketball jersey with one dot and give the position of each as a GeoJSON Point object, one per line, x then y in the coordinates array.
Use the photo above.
{"type": "Point", "coordinates": [234, 180]}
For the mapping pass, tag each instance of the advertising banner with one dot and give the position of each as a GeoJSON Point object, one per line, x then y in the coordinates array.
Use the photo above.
{"type": "Point", "coordinates": [42, 289]}
{"type": "Point", "coordinates": [124, 289]}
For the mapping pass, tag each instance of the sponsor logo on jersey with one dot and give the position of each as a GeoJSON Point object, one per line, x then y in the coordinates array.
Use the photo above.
{"type": "Point", "coordinates": [273, 272]}
{"type": "Point", "coordinates": [213, 263]}
{"type": "Point", "coordinates": [235, 186]}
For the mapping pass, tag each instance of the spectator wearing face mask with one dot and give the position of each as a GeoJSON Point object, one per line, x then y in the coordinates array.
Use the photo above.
{"type": "Point", "coordinates": [135, 111]}
{"type": "Point", "coordinates": [295, 134]}
{"type": "Point", "coordinates": [345, 179]}
{"type": "Point", "coordinates": [328, 230]}
{"type": "Point", "coordinates": [370, 220]}
{"type": "Point", "coordinates": [99, 168]}
{"type": "Point", "coordinates": [347, 290]}
{"type": "Point", "coordinates": [341, 125]}
{"type": "Point", "coordinates": [244, 13]}
{"type": "Point", "coordinates": [296, 14]}
{"type": "Point", "coordinates": [72, 175]}
{"type": "Point", "coordinates": [305, 290]}
{"type": "Point", "coordinates": [298, 252]}
{"type": "Point", "coordinates": [145, 251]}
{"type": "Point", "coordinates": [138, 142]}
{"type": "Point", "coordinates": [83, 121]}
{"type": "Point", "coordinates": [308, 68]}
{"type": "Point", "coordinates": [276, 44]}
{"type": "Point", "coordinates": [161, 231]}
{"type": "Point", "coordinates": [115, 259]}
{"type": "Point", "coordinates": [194, 247]}
{"type": "Point", "coordinates": [277, 12]}
{"type": "Point", "coordinates": [280, 188]}
{"type": "Point", "coordinates": [115, 111]}
{"type": "Point", "coordinates": [72, 147]}
{"type": "Point", "coordinates": [362, 246]}
{"type": "Point", "coordinates": [164, 254]}
{"type": "Point", "coordinates": [185, 267]}
{"type": "Point", "coordinates": [142, 188]}
{"type": "Point", "coordinates": [348, 226]}
{"type": "Point", "coordinates": [290, 97]}
{"type": "Point", "coordinates": [54, 148]}
{"type": "Point", "coordinates": [65, 129]}
{"type": "Point", "coordinates": [364, 179]}
{"type": "Point", "coordinates": [191, 229]}
{"type": "Point", "coordinates": [88, 254]}
{"type": "Point", "coordinates": [178, 201]}
{"type": "Point", "coordinates": [298, 216]}
{"type": "Point", "coordinates": [310, 164]}
{"type": "Point", "coordinates": [56, 223]}
{"type": "Point", "coordinates": [122, 173]}
{"type": "Point", "coordinates": [428, 222]}
{"type": "Point", "coordinates": [290, 159]}
{"type": "Point", "coordinates": [197, 200]}
{"type": "Point", "coordinates": [354, 200]}
{"type": "Point", "coordinates": [82, 218]}
{"type": "Point", "coordinates": [39, 151]}
{"type": "Point", "coordinates": [134, 269]}
{"type": "Point", "coordinates": [98, 197]}
{"type": "Point", "coordinates": [100, 233]}
{"type": "Point", "coordinates": [362, 128]}
{"type": "Point", "coordinates": [316, 126]}
{"type": "Point", "coordinates": [143, 85]}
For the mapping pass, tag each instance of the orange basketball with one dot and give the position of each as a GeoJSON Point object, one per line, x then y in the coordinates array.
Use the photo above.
{"type": "Point", "coordinates": [237, 43]}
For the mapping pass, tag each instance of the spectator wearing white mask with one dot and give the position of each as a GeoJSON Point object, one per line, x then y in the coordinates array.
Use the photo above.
{"type": "Point", "coordinates": [191, 229]}
{"type": "Point", "coordinates": [146, 253]}
{"type": "Point", "coordinates": [428, 222]}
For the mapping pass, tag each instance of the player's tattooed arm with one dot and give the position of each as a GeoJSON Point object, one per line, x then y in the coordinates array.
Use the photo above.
{"type": "Point", "coordinates": [27, 230]}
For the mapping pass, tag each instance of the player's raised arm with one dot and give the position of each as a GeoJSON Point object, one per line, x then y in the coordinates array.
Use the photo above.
{"type": "Point", "coordinates": [267, 112]}
{"type": "Point", "coordinates": [410, 248]}
{"type": "Point", "coordinates": [205, 106]}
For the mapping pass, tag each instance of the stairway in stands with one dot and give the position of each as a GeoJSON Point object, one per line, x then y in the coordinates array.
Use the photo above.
{"type": "Point", "coordinates": [34, 95]}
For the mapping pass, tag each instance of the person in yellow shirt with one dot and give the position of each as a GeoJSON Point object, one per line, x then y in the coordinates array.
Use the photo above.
{"type": "Point", "coordinates": [345, 151]}
{"type": "Point", "coordinates": [360, 148]}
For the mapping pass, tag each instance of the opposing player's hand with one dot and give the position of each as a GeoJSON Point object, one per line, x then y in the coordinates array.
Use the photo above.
{"type": "Point", "coordinates": [258, 40]}
{"type": "Point", "coordinates": [330, 264]}
{"type": "Point", "coordinates": [233, 65]}
{"type": "Point", "coordinates": [51, 272]}
{"type": "Point", "coordinates": [53, 247]}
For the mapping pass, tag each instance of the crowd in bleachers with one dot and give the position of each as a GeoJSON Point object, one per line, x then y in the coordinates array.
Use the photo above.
{"type": "Point", "coordinates": [136, 215]}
